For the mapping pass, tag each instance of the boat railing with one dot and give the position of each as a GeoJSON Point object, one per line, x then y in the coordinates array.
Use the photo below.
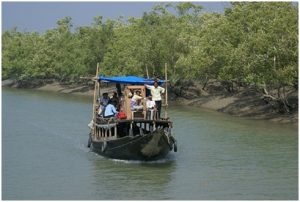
{"type": "Point", "coordinates": [105, 128]}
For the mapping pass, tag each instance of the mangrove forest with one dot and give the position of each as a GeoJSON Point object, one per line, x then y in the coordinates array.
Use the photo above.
{"type": "Point", "coordinates": [250, 44]}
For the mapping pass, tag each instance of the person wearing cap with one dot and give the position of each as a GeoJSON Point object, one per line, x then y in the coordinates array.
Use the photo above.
{"type": "Point", "coordinates": [156, 92]}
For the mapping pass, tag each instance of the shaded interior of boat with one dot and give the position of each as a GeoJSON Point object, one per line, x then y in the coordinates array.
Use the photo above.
{"type": "Point", "coordinates": [137, 122]}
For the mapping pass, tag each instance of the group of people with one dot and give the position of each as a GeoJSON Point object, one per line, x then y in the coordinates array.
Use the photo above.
{"type": "Point", "coordinates": [156, 92]}
{"type": "Point", "coordinates": [153, 102]}
{"type": "Point", "coordinates": [109, 107]}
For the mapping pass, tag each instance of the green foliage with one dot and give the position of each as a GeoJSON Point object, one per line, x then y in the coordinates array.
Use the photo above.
{"type": "Point", "coordinates": [255, 43]}
{"type": "Point", "coordinates": [269, 38]}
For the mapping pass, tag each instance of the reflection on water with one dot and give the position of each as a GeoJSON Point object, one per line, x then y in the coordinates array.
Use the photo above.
{"type": "Point", "coordinates": [48, 96]}
{"type": "Point", "coordinates": [233, 158]}
{"type": "Point", "coordinates": [44, 156]}
{"type": "Point", "coordinates": [133, 180]}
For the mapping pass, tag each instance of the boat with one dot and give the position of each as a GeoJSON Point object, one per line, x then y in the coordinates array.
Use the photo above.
{"type": "Point", "coordinates": [137, 136]}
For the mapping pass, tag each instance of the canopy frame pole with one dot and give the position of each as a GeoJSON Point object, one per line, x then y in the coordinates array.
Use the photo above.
{"type": "Point", "coordinates": [95, 90]}
{"type": "Point", "coordinates": [98, 81]}
{"type": "Point", "coordinates": [147, 72]}
{"type": "Point", "coordinates": [166, 91]}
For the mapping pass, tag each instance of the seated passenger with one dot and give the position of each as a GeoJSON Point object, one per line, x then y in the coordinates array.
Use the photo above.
{"type": "Point", "coordinates": [151, 108]}
{"type": "Point", "coordinates": [135, 102]}
{"type": "Point", "coordinates": [130, 94]}
{"type": "Point", "coordinates": [115, 99]}
{"type": "Point", "coordinates": [150, 103]}
{"type": "Point", "coordinates": [110, 110]}
{"type": "Point", "coordinates": [121, 114]}
{"type": "Point", "coordinates": [104, 100]}
{"type": "Point", "coordinates": [119, 89]}
{"type": "Point", "coordinates": [98, 109]}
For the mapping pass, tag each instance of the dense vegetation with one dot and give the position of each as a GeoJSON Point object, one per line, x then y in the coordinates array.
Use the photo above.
{"type": "Point", "coordinates": [251, 44]}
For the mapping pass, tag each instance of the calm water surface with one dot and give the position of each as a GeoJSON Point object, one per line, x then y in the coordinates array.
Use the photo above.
{"type": "Point", "coordinates": [44, 156]}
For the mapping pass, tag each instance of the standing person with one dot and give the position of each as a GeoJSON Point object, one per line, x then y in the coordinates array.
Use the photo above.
{"type": "Point", "coordinates": [156, 92]}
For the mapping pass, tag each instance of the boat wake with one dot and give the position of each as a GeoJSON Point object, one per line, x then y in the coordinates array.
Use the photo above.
{"type": "Point", "coordinates": [83, 147]}
{"type": "Point", "coordinates": [168, 159]}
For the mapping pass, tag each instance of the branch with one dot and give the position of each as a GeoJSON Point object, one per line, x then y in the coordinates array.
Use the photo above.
{"type": "Point", "coordinates": [267, 95]}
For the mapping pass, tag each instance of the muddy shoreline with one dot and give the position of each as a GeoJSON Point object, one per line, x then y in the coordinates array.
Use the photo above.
{"type": "Point", "coordinates": [243, 104]}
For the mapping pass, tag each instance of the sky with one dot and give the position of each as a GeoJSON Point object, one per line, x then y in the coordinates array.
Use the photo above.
{"type": "Point", "coordinates": [42, 16]}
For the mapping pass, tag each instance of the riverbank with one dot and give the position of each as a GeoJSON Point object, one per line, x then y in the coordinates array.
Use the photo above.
{"type": "Point", "coordinates": [245, 103]}
{"type": "Point", "coordinates": [241, 106]}
{"type": "Point", "coordinates": [241, 102]}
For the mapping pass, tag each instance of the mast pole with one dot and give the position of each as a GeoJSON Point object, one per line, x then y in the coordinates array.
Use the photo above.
{"type": "Point", "coordinates": [98, 82]}
{"type": "Point", "coordinates": [166, 93]}
{"type": "Point", "coordinates": [95, 97]}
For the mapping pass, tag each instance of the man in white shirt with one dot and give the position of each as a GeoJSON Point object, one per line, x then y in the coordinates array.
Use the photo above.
{"type": "Point", "coordinates": [150, 103]}
{"type": "Point", "coordinates": [151, 108]}
{"type": "Point", "coordinates": [156, 92]}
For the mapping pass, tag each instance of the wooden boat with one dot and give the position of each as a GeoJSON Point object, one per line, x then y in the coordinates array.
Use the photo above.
{"type": "Point", "coordinates": [138, 136]}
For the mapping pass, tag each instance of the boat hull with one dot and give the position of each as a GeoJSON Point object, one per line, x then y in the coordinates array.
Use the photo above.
{"type": "Point", "coordinates": [148, 147]}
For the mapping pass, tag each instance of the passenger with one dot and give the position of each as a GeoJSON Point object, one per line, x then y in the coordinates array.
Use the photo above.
{"type": "Point", "coordinates": [110, 110]}
{"type": "Point", "coordinates": [119, 89]}
{"type": "Point", "coordinates": [121, 103]}
{"type": "Point", "coordinates": [130, 94]}
{"type": "Point", "coordinates": [104, 100]}
{"type": "Point", "coordinates": [150, 103]}
{"type": "Point", "coordinates": [135, 101]}
{"type": "Point", "coordinates": [121, 114]}
{"type": "Point", "coordinates": [114, 96]}
{"type": "Point", "coordinates": [156, 92]}
{"type": "Point", "coordinates": [115, 99]}
{"type": "Point", "coordinates": [151, 108]}
{"type": "Point", "coordinates": [98, 109]}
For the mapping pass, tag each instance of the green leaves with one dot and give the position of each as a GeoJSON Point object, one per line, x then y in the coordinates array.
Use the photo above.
{"type": "Point", "coordinates": [252, 42]}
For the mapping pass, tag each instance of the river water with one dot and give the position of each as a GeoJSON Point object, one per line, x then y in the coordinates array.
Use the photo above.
{"type": "Point", "coordinates": [44, 156]}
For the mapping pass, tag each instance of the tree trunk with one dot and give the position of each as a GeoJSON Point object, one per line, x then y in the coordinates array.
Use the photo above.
{"type": "Point", "coordinates": [281, 100]}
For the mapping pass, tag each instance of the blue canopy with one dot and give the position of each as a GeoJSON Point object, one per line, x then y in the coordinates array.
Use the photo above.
{"type": "Point", "coordinates": [129, 80]}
